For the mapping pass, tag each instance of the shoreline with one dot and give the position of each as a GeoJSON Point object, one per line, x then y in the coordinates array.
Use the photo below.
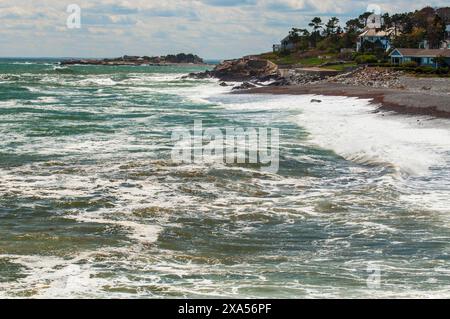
{"type": "Point", "coordinates": [400, 101]}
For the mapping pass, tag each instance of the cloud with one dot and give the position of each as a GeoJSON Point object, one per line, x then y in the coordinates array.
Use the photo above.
{"type": "Point", "coordinates": [210, 28]}
{"type": "Point", "coordinates": [108, 20]}
{"type": "Point", "coordinates": [230, 3]}
{"type": "Point", "coordinates": [114, 9]}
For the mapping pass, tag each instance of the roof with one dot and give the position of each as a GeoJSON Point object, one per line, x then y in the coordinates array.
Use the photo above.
{"type": "Point", "coordinates": [376, 33]}
{"type": "Point", "coordinates": [424, 53]}
{"type": "Point", "coordinates": [287, 39]}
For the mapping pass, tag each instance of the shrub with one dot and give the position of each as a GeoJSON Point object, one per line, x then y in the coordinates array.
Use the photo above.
{"type": "Point", "coordinates": [346, 56]}
{"type": "Point", "coordinates": [442, 70]}
{"type": "Point", "coordinates": [425, 69]}
{"type": "Point", "coordinates": [441, 61]}
{"type": "Point", "coordinates": [364, 59]}
{"type": "Point", "coordinates": [410, 64]}
{"type": "Point", "coordinates": [385, 64]}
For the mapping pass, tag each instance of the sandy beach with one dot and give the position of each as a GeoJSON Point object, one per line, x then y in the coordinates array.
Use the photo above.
{"type": "Point", "coordinates": [425, 96]}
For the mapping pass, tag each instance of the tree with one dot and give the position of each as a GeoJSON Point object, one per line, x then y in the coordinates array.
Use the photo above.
{"type": "Point", "coordinates": [364, 18]}
{"type": "Point", "coordinates": [331, 26]}
{"type": "Point", "coordinates": [387, 21]}
{"type": "Point", "coordinates": [435, 32]}
{"type": "Point", "coordinates": [396, 22]}
{"type": "Point", "coordinates": [354, 25]}
{"type": "Point", "coordinates": [441, 61]}
{"type": "Point", "coordinates": [316, 24]}
{"type": "Point", "coordinates": [352, 30]}
{"type": "Point", "coordinates": [294, 34]}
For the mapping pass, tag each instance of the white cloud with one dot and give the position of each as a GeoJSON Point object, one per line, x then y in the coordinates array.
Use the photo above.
{"type": "Point", "coordinates": [210, 28]}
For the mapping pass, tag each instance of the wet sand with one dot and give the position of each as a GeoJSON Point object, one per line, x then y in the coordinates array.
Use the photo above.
{"type": "Point", "coordinates": [425, 96]}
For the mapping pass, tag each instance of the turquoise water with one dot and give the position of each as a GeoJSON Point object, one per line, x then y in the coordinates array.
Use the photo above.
{"type": "Point", "coordinates": [91, 204]}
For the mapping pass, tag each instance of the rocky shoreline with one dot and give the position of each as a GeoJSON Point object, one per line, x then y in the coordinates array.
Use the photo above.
{"type": "Point", "coordinates": [391, 90]}
{"type": "Point", "coordinates": [241, 70]}
{"type": "Point", "coordinates": [254, 72]}
{"type": "Point", "coordinates": [139, 60]}
{"type": "Point", "coordinates": [410, 100]}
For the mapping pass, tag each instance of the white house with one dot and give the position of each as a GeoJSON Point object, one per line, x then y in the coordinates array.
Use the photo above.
{"type": "Point", "coordinates": [376, 36]}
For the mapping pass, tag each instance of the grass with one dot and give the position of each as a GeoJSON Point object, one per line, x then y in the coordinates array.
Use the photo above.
{"type": "Point", "coordinates": [341, 67]}
{"type": "Point", "coordinates": [307, 59]}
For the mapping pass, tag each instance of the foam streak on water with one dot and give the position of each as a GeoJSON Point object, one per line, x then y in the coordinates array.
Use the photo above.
{"type": "Point", "coordinates": [92, 206]}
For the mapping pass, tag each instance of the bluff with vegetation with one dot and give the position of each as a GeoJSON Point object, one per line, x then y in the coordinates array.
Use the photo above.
{"type": "Point", "coordinates": [330, 47]}
{"type": "Point", "coordinates": [412, 27]}
{"type": "Point", "coordinates": [330, 44]}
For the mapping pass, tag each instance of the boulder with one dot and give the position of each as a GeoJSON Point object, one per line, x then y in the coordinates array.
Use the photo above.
{"type": "Point", "coordinates": [280, 82]}
{"type": "Point", "coordinates": [244, 86]}
{"type": "Point", "coordinates": [240, 70]}
{"type": "Point", "coordinates": [199, 76]}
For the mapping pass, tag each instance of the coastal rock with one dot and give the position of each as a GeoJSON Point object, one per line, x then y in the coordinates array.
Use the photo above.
{"type": "Point", "coordinates": [370, 77]}
{"type": "Point", "coordinates": [245, 69]}
{"type": "Point", "coordinates": [199, 76]}
{"type": "Point", "coordinates": [280, 82]}
{"type": "Point", "coordinates": [299, 77]}
{"type": "Point", "coordinates": [244, 86]}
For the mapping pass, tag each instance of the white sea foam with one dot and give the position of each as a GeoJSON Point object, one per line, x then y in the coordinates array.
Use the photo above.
{"type": "Point", "coordinates": [138, 231]}
{"type": "Point", "coordinates": [48, 99]}
{"type": "Point", "coordinates": [346, 126]}
{"type": "Point", "coordinates": [96, 81]}
{"type": "Point", "coordinates": [350, 128]}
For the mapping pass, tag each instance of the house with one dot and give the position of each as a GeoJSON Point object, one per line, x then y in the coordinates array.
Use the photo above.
{"type": "Point", "coordinates": [276, 48]}
{"type": "Point", "coordinates": [287, 44]}
{"type": "Point", "coordinates": [423, 57]}
{"type": "Point", "coordinates": [446, 42]}
{"type": "Point", "coordinates": [377, 37]}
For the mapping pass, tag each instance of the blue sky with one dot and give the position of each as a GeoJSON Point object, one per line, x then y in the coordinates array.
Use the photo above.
{"type": "Point", "coordinates": [210, 28]}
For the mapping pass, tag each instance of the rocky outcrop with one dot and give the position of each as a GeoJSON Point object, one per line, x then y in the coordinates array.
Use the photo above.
{"type": "Point", "coordinates": [299, 77]}
{"type": "Point", "coordinates": [139, 60]}
{"type": "Point", "coordinates": [371, 77]}
{"type": "Point", "coordinates": [240, 70]}
{"type": "Point", "coordinates": [245, 69]}
{"type": "Point", "coordinates": [256, 72]}
{"type": "Point", "coordinates": [244, 86]}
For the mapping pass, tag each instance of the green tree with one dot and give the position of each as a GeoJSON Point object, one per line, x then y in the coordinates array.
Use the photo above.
{"type": "Point", "coordinates": [352, 30]}
{"type": "Point", "coordinates": [435, 32]}
{"type": "Point", "coordinates": [364, 18]}
{"type": "Point", "coordinates": [441, 61]}
{"type": "Point", "coordinates": [317, 25]}
{"type": "Point", "coordinates": [331, 26]}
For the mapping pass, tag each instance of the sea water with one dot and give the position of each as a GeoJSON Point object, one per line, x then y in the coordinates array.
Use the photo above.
{"type": "Point", "coordinates": [92, 205]}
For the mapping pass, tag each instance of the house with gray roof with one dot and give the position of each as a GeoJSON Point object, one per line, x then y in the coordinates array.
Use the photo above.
{"type": "Point", "coordinates": [423, 57]}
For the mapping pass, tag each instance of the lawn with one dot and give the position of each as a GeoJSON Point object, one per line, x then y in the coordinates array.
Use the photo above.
{"type": "Point", "coordinates": [304, 59]}
{"type": "Point", "coordinates": [341, 67]}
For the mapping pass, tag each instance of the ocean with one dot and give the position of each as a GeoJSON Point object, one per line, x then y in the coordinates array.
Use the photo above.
{"type": "Point", "coordinates": [93, 206]}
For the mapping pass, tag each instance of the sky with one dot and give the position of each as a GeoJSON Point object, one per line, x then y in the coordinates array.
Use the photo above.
{"type": "Point", "coordinates": [213, 29]}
